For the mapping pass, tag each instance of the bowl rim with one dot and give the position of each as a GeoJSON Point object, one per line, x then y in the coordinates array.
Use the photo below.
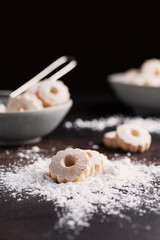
{"type": "Point", "coordinates": [66, 104]}
{"type": "Point", "coordinates": [110, 79]}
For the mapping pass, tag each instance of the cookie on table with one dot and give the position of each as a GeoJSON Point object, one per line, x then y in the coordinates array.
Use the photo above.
{"type": "Point", "coordinates": [24, 102]}
{"type": "Point", "coordinates": [110, 139]}
{"type": "Point", "coordinates": [133, 138]}
{"type": "Point", "coordinates": [70, 165]}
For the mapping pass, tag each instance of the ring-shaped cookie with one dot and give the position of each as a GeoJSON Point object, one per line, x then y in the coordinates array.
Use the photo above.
{"type": "Point", "coordinates": [133, 138]}
{"type": "Point", "coordinates": [53, 93]}
{"type": "Point", "coordinates": [24, 102]}
{"type": "Point", "coordinates": [110, 139]}
{"type": "Point", "coordinates": [96, 161]}
{"type": "Point", "coordinates": [100, 163]}
{"type": "Point", "coordinates": [70, 165]}
{"type": "Point", "coordinates": [130, 76]}
{"type": "Point", "coordinates": [151, 66]}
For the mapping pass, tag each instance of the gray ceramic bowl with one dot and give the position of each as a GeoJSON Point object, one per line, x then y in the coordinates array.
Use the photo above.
{"type": "Point", "coordinates": [143, 97]}
{"type": "Point", "coordinates": [30, 126]}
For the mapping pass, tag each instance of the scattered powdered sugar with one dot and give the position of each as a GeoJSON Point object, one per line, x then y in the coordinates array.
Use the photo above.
{"type": "Point", "coordinates": [32, 153]}
{"type": "Point", "coordinates": [134, 186]}
{"type": "Point", "coordinates": [94, 124]}
{"type": "Point", "coordinates": [35, 149]}
{"type": "Point", "coordinates": [93, 145]}
{"type": "Point", "coordinates": [151, 124]}
{"type": "Point", "coordinates": [53, 149]}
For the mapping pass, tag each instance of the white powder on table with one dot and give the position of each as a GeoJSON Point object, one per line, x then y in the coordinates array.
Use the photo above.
{"type": "Point", "coordinates": [134, 186]}
{"type": "Point", "coordinates": [151, 124]}
{"type": "Point", "coordinates": [94, 124]}
{"type": "Point", "coordinates": [93, 146]}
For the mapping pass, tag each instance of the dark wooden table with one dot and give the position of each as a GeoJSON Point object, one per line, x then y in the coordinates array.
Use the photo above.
{"type": "Point", "coordinates": [33, 220]}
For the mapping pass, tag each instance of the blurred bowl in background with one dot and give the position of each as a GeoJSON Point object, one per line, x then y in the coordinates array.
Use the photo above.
{"type": "Point", "coordinates": [144, 98]}
{"type": "Point", "coordinates": [29, 126]}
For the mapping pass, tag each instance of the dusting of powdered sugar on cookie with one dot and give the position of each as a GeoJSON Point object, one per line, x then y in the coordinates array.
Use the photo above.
{"type": "Point", "coordinates": [100, 124]}
{"type": "Point", "coordinates": [133, 187]}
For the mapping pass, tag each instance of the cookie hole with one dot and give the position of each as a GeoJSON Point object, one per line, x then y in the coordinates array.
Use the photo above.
{"type": "Point", "coordinates": [134, 133]}
{"type": "Point", "coordinates": [21, 109]}
{"type": "Point", "coordinates": [89, 154]}
{"type": "Point", "coordinates": [69, 161]}
{"type": "Point", "coordinates": [54, 90]}
{"type": "Point", "coordinates": [157, 72]}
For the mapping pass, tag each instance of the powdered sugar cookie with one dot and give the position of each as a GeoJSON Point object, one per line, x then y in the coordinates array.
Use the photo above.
{"type": "Point", "coordinates": [70, 165]}
{"type": "Point", "coordinates": [133, 138]}
{"type": "Point", "coordinates": [110, 139]}
{"type": "Point", "coordinates": [34, 89]}
{"type": "Point", "coordinates": [53, 93]}
{"type": "Point", "coordinates": [107, 167]}
{"type": "Point", "coordinates": [23, 103]}
{"type": "Point", "coordinates": [151, 66]}
{"type": "Point", "coordinates": [130, 76]}
{"type": "Point", "coordinates": [144, 79]}
{"type": "Point", "coordinates": [138, 78]}
{"type": "Point", "coordinates": [96, 161]}
{"type": "Point", "coordinates": [147, 75]}
{"type": "Point", "coordinates": [100, 163]}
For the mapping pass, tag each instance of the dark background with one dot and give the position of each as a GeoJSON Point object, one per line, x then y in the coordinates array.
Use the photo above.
{"type": "Point", "coordinates": [104, 38]}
